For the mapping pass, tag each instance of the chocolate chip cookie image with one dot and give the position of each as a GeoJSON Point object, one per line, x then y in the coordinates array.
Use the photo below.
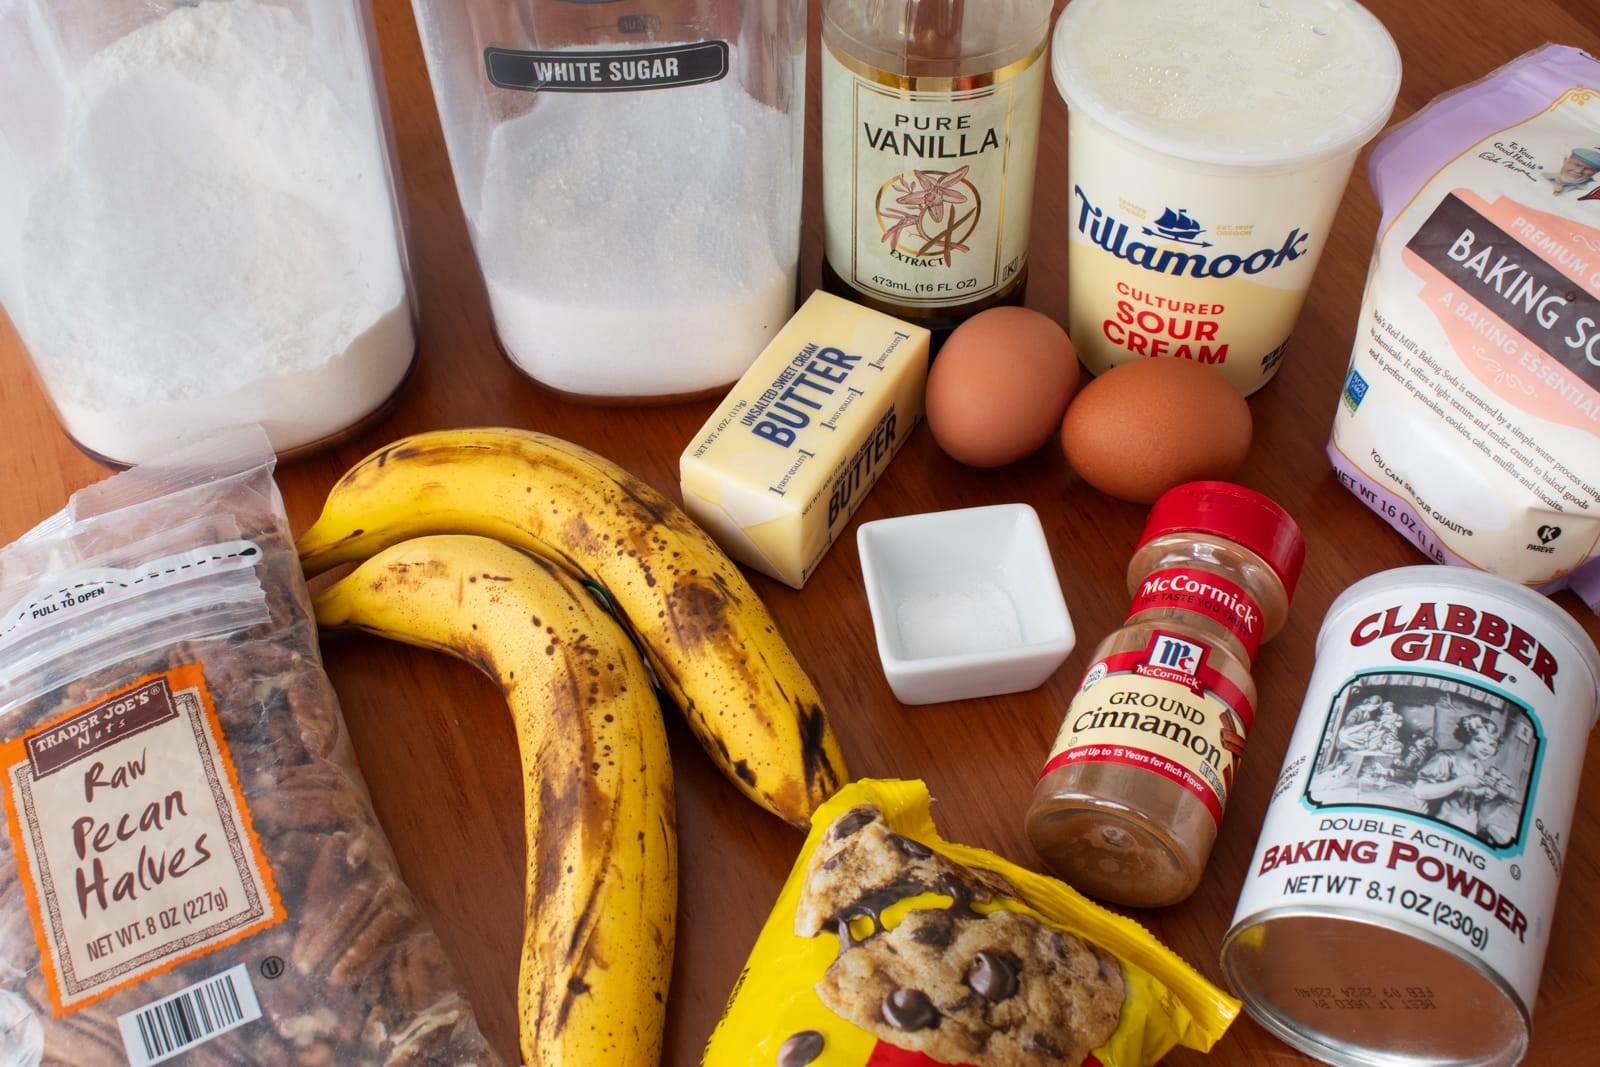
{"type": "Point", "coordinates": [890, 944]}
{"type": "Point", "coordinates": [861, 862]}
{"type": "Point", "coordinates": [990, 989]}
{"type": "Point", "coordinates": [1000, 990]}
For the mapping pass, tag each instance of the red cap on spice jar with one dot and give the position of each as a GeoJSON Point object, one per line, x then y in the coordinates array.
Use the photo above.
{"type": "Point", "coordinates": [1242, 515]}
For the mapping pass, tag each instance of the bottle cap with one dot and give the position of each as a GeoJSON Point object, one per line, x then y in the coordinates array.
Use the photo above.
{"type": "Point", "coordinates": [1242, 515]}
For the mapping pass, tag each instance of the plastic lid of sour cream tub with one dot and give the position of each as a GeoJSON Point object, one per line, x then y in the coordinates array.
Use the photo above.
{"type": "Point", "coordinates": [1240, 83]}
{"type": "Point", "coordinates": [1454, 581]}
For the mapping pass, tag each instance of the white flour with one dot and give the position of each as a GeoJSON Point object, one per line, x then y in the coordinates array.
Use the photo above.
{"type": "Point", "coordinates": [215, 244]}
{"type": "Point", "coordinates": [639, 244]}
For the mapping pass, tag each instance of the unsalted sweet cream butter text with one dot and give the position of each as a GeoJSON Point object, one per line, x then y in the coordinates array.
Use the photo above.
{"type": "Point", "coordinates": [777, 470]}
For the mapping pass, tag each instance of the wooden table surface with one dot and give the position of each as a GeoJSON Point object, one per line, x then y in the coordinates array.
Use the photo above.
{"type": "Point", "coordinates": [435, 741]}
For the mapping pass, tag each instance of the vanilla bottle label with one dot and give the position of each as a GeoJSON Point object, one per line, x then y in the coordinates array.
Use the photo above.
{"type": "Point", "coordinates": [928, 182]}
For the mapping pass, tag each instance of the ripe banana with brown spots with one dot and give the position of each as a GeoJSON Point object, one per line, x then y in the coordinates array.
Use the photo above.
{"type": "Point", "coordinates": [602, 885]}
{"type": "Point", "coordinates": [712, 643]}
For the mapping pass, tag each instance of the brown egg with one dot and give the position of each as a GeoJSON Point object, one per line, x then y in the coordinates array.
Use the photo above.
{"type": "Point", "coordinates": [998, 388]}
{"type": "Point", "coordinates": [1143, 427]}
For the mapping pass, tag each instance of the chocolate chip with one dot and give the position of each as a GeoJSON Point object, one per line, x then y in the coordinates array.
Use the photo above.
{"type": "Point", "coordinates": [993, 975]}
{"type": "Point", "coordinates": [1045, 1045]}
{"type": "Point", "coordinates": [850, 915]}
{"type": "Point", "coordinates": [800, 1049]}
{"type": "Point", "coordinates": [915, 849]}
{"type": "Point", "coordinates": [936, 930]}
{"type": "Point", "coordinates": [960, 895]}
{"type": "Point", "coordinates": [909, 1009]}
{"type": "Point", "coordinates": [851, 821]}
{"type": "Point", "coordinates": [1059, 943]}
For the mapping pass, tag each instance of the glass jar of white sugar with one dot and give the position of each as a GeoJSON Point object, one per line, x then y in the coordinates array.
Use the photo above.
{"type": "Point", "coordinates": [630, 172]}
{"type": "Point", "coordinates": [199, 219]}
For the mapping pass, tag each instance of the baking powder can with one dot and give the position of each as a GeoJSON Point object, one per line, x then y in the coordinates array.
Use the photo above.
{"type": "Point", "coordinates": [1399, 902]}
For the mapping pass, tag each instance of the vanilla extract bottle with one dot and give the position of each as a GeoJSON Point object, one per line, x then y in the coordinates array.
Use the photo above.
{"type": "Point", "coordinates": [930, 116]}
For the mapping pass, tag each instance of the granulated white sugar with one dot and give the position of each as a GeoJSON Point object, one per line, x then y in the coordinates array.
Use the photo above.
{"type": "Point", "coordinates": [973, 618]}
{"type": "Point", "coordinates": [215, 243]}
{"type": "Point", "coordinates": [638, 244]}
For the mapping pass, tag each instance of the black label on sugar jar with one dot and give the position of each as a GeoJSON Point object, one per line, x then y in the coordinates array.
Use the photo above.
{"type": "Point", "coordinates": [587, 70]}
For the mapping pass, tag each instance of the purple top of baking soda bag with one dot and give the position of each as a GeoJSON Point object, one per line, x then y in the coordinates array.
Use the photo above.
{"type": "Point", "coordinates": [1411, 153]}
{"type": "Point", "coordinates": [1414, 150]}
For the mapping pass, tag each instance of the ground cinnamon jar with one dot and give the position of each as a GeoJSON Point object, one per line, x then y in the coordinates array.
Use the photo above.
{"type": "Point", "coordinates": [1130, 801]}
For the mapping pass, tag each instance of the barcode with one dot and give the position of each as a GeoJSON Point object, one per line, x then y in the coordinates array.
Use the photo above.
{"type": "Point", "coordinates": [189, 1017]}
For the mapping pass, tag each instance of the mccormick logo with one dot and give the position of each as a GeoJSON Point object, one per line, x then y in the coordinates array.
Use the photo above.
{"type": "Point", "coordinates": [1168, 651]}
{"type": "Point", "coordinates": [1162, 587]}
{"type": "Point", "coordinates": [1173, 659]}
{"type": "Point", "coordinates": [1457, 636]}
{"type": "Point", "coordinates": [1104, 230]}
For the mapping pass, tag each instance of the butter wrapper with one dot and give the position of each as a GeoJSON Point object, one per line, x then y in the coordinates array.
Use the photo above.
{"type": "Point", "coordinates": [891, 947]}
{"type": "Point", "coordinates": [777, 470]}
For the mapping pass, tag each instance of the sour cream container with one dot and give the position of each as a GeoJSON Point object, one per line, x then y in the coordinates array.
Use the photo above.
{"type": "Point", "coordinates": [1208, 146]}
{"type": "Point", "coordinates": [1400, 899]}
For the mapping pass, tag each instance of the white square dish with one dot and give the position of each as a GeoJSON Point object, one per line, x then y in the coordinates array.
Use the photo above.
{"type": "Point", "coordinates": [964, 603]}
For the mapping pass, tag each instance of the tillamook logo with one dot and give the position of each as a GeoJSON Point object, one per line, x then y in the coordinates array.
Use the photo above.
{"type": "Point", "coordinates": [1457, 636]}
{"type": "Point", "coordinates": [1106, 231]}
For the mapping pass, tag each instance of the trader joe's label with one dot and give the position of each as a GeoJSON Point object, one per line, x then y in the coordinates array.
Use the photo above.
{"type": "Point", "coordinates": [132, 839]}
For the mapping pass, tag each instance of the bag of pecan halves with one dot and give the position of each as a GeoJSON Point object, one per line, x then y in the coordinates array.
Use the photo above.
{"type": "Point", "coordinates": [191, 867]}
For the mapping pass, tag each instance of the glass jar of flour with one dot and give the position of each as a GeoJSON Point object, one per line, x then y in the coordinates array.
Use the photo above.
{"type": "Point", "coordinates": [630, 172]}
{"type": "Point", "coordinates": [199, 220]}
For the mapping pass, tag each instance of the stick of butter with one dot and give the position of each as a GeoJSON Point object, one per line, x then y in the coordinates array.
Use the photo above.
{"type": "Point", "coordinates": [776, 471]}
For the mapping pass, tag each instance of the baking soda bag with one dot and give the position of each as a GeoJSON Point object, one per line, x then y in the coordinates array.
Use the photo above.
{"type": "Point", "coordinates": [891, 947]}
{"type": "Point", "coordinates": [1470, 417]}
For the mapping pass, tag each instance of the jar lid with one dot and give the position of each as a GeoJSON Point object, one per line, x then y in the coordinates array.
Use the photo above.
{"type": "Point", "coordinates": [1242, 515]}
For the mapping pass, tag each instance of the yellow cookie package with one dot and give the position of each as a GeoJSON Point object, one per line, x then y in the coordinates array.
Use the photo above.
{"type": "Point", "coordinates": [891, 947]}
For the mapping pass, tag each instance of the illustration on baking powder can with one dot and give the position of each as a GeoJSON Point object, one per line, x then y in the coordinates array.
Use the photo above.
{"type": "Point", "coordinates": [1399, 902]}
